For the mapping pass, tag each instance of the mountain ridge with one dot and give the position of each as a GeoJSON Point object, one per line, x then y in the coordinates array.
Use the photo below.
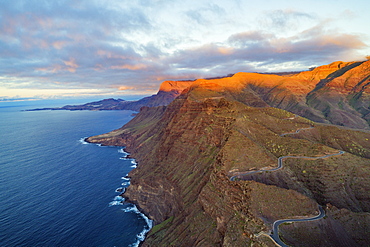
{"type": "Point", "coordinates": [189, 150]}
{"type": "Point", "coordinates": [337, 93]}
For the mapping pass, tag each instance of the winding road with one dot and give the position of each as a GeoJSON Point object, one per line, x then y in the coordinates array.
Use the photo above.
{"type": "Point", "coordinates": [280, 163]}
{"type": "Point", "coordinates": [297, 131]}
{"type": "Point", "coordinates": [275, 227]}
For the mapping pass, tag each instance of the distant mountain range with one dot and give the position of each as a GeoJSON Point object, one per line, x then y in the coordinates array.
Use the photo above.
{"type": "Point", "coordinates": [168, 91]}
{"type": "Point", "coordinates": [338, 93]}
{"type": "Point", "coordinates": [222, 165]}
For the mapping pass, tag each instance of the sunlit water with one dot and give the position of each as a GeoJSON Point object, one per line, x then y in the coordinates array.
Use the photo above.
{"type": "Point", "coordinates": [56, 190]}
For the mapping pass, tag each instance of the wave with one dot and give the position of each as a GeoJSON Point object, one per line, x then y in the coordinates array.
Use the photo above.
{"type": "Point", "coordinates": [121, 190]}
{"type": "Point", "coordinates": [117, 200]}
{"type": "Point", "coordinates": [82, 140]}
{"type": "Point", "coordinates": [122, 151]}
{"type": "Point", "coordinates": [149, 224]}
{"type": "Point", "coordinates": [126, 183]}
{"type": "Point", "coordinates": [115, 203]}
{"type": "Point", "coordinates": [134, 164]}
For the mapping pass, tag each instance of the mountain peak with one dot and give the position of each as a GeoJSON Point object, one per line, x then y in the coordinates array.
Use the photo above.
{"type": "Point", "coordinates": [177, 86]}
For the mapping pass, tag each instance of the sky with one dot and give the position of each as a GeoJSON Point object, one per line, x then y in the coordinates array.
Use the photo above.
{"type": "Point", "coordinates": [117, 48]}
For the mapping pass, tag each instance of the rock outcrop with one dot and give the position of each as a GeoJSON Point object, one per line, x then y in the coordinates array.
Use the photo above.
{"type": "Point", "coordinates": [188, 151]}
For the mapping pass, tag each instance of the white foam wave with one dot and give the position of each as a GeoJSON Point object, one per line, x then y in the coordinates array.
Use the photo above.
{"type": "Point", "coordinates": [82, 140]}
{"type": "Point", "coordinates": [136, 244]}
{"type": "Point", "coordinates": [125, 183]}
{"type": "Point", "coordinates": [130, 209]}
{"type": "Point", "coordinates": [122, 151]}
{"type": "Point", "coordinates": [121, 190]}
{"type": "Point", "coordinates": [119, 198]}
{"type": "Point", "coordinates": [134, 163]}
{"type": "Point", "coordinates": [149, 224]}
{"type": "Point", "coordinates": [115, 203]}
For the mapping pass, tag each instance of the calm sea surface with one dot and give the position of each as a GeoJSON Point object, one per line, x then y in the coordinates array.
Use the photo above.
{"type": "Point", "coordinates": [56, 190]}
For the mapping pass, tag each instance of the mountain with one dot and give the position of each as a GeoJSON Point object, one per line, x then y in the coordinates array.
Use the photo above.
{"type": "Point", "coordinates": [168, 91]}
{"type": "Point", "coordinates": [219, 166]}
{"type": "Point", "coordinates": [338, 93]}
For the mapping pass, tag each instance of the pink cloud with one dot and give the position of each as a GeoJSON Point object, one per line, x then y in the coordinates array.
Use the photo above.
{"type": "Point", "coordinates": [130, 67]}
{"type": "Point", "coordinates": [59, 44]}
{"type": "Point", "coordinates": [71, 65]}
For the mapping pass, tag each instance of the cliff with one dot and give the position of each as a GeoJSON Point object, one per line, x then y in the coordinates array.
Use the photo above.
{"type": "Point", "coordinates": [338, 93]}
{"type": "Point", "coordinates": [190, 151]}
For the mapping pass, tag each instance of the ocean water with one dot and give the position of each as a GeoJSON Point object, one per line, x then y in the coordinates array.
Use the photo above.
{"type": "Point", "coordinates": [57, 190]}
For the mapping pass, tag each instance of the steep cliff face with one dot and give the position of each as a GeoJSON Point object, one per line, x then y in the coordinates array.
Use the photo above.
{"type": "Point", "coordinates": [338, 93]}
{"type": "Point", "coordinates": [343, 96]}
{"type": "Point", "coordinates": [188, 152]}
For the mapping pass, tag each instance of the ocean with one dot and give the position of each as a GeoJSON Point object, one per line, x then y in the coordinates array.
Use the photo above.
{"type": "Point", "coordinates": [57, 190]}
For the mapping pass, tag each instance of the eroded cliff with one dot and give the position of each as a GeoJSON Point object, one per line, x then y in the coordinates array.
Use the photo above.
{"type": "Point", "coordinates": [188, 152]}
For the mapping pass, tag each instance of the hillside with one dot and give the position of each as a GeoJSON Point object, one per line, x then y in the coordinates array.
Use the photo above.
{"type": "Point", "coordinates": [195, 156]}
{"type": "Point", "coordinates": [338, 93]}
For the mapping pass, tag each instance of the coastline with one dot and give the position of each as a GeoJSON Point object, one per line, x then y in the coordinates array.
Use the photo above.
{"type": "Point", "coordinates": [121, 199]}
{"type": "Point", "coordinates": [186, 150]}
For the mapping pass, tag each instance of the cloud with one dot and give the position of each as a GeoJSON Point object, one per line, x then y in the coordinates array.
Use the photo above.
{"type": "Point", "coordinates": [125, 88]}
{"type": "Point", "coordinates": [285, 19]}
{"type": "Point", "coordinates": [111, 45]}
{"type": "Point", "coordinates": [261, 48]}
{"type": "Point", "coordinates": [249, 36]}
{"type": "Point", "coordinates": [205, 14]}
{"type": "Point", "coordinates": [71, 65]}
{"type": "Point", "coordinates": [130, 67]}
